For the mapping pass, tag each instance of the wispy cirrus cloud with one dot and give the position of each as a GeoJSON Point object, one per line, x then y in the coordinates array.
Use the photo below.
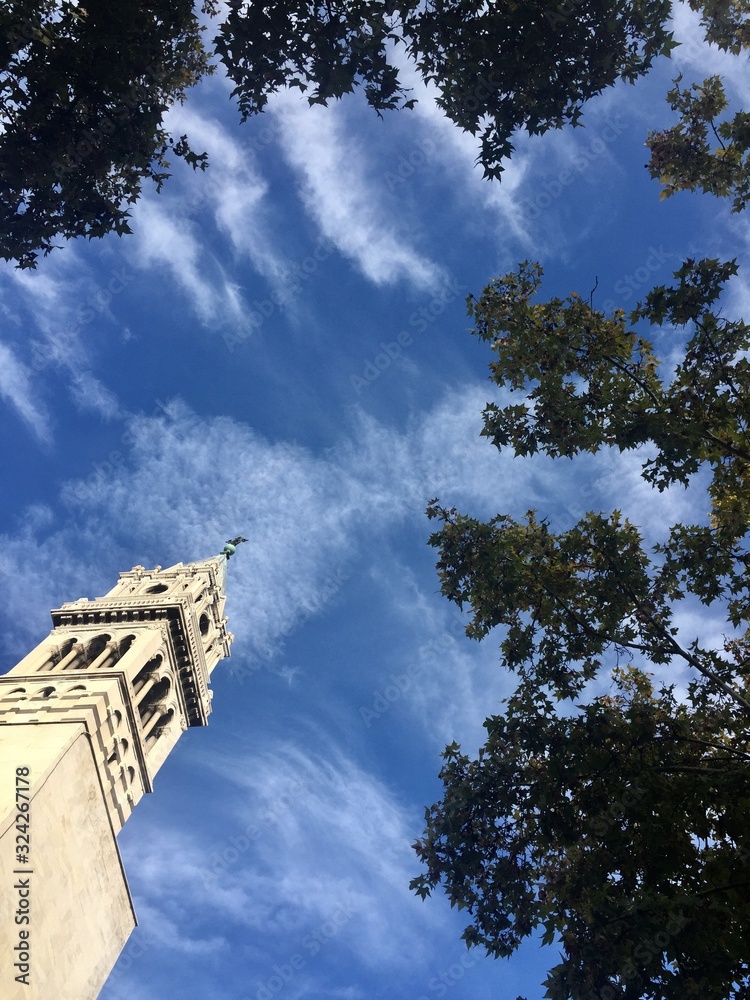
{"type": "Point", "coordinates": [330, 867]}
{"type": "Point", "coordinates": [182, 483]}
{"type": "Point", "coordinates": [18, 390]}
{"type": "Point", "coordinates": [164, 240]}
{"type": "Point", "coordinates": [232, 190]}
{"type": "Point", "coordinates": [349, 204]}
{"type": "Point", "coordinates": [91, 394]}
{"type": "Point", "coordinates": [63, 306]}
{"type": "Point", "coordinates": [537, 175]}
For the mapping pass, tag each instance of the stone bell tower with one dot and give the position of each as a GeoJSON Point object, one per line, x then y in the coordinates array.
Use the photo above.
{"type": "Point", "coordinates": [86, 721]}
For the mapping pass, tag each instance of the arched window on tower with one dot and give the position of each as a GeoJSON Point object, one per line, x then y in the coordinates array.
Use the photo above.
{"type": "Point", "coordinates": [119, 751]}
{"type": "Point", "coordinates": [64, 656]}
{"type": "Point", "coordinates": [151, 703]}
{"type": "Point", "coordinates": [98, 652]}
{"type": "Point", "coordinates": [125, 645]}
{"type": "Point", "coordinates": [144, 675]}
{"type": "Point", "coordinates": [165, 720]}
{"type": "Point", "coordinates": [104, 653]}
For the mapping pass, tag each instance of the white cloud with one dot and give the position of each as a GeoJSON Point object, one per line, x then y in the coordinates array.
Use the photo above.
{"type": "Point", "coordinates": [17, 388]}
{"type": "Point", "coordinates": [315, 855]}
{"type": "Point", "coordinates": [619, 483]}
{"type": "Point", "coordinates": [537, 177]}
{"type": "Point", "coordinates": [190, 483]}
{"type": "Point", "coordinates": [65, 304]}
{"type": "Point", "coordinates": [457, 151]}
{"type": "Point", "coordinates": [164, 932]}
{"type": "Point", "coordinates": [232, 189]}
{"type": "Point", "coordinates": [49, 296]}
{"type": "Point", "coordinates": [163, 239]}
{"type": "Point", "coordinates": [89, 393]}
{"type": "Point", "coordinates": [348, 204]}
{"type": "Point", "coordinates": [449, 683]}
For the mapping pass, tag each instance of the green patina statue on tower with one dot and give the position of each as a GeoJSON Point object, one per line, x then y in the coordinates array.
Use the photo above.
{"type": "Point", "coordinates": [231, 546]}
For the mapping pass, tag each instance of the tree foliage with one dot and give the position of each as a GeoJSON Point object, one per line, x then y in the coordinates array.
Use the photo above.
{"type": "Point", "coordinates": [614, 823]}
{"type": "Point", "coordinates": [83, 94]}
{"type": "Point", "coordinates": [725, 23]}
{"type": "Point", "coordinates": [498, 68]}
{"type": "Point", "coordinates": [698, 152]}
{"type": "Point", "coordinates": [513, 840]}
{"type": "Point", "coordinates": [84, 87]}
{"type": "Point", "coordinates": [620, 832]}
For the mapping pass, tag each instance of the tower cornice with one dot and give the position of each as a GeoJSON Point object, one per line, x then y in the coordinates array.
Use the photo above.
{"type": "Point", "coordinates": [178, 615]}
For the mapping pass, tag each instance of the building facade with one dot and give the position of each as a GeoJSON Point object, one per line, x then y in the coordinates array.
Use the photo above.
{"type": "Point", "coordinates": [87, 718]}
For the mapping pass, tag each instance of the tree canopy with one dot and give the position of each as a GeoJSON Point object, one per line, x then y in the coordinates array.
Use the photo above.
{"type": "Point", "coordinates": [619, 832]}
{"type": "Point", "coordinates": [85, 87]}
{"type": "Point", "coordinates": [498, 68]}
{"type": "Point", "coordinates": [683, 157]}
{"type": "Point", "coordinates": [83, 93]}
{"type": "Point", "coordinates": [602, 812]}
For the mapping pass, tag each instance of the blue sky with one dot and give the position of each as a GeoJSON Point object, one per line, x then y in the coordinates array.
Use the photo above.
{"type": "Point", "coordinates": [281, 349]}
